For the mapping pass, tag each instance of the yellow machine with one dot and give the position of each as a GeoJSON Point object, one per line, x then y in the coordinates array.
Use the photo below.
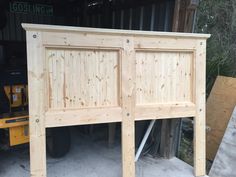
{"type": "Point", "coordinates": [17, 95]}
{"type": "Point", "coordinates": [16, 121]}
{"type": "Point", "coordinates": [14, 118]}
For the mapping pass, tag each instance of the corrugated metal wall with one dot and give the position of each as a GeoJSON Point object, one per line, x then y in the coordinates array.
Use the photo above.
{"type": "Point", "coordinates": [13, 30]}
{"type": "Point", "coordinates": [155, 17]}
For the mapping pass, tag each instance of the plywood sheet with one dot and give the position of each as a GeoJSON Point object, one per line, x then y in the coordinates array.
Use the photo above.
{"type": "Point", "coordinates": [225, 160]}
{"type": "Point", "coordinates": [220, 105]}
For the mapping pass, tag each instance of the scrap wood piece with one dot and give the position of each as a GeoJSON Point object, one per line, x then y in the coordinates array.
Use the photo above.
{"type": "Point", "coordinates": [219, 108]}
{"type": "Point", "coordinates": [225, 160]}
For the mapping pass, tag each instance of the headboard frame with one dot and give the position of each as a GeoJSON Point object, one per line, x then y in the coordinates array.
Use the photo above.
{"type": "Point", "coordinates": [87, 75]}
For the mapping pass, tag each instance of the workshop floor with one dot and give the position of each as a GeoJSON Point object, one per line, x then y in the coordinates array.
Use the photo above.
{"type": "Point", "coordinates": [90, 157]}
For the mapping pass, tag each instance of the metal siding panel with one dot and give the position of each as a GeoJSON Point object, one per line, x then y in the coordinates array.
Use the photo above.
{"type": "Point", "coordinates": [156, 14]}
{"type": "Point", "coordinates": [77, 22]}
{"type": "Point", "coordinates": [40, 19]}
{"type": "Point", "coordinates": [6, 29]}
{"type": "Point", "coordinates": [12, 26]}
{"type": "Point", "coordinates": [93, 20]}
{"type": "Point", "coordinates": [60, 20]}
{"type": "Point", "coordinates": [117, 19]}
{"type": "Point", "coordinates": [113, 19]}
{"type": "Point", "coordinates": [153, 17]}
{"type": "Point", "coordinates": [89, 20]}
{"type": "Point", "coordinates": [161, 17]}
{"type": "Point", "coordinates": [18, 28]}
{"type": "Point", "coordinates": [56, 21]}
{"type": "Point", "coordinates": [122, 19]}
{"type": "Point", "coordinates": [141, 19]}
{"type": "Point", "coordinates": [24, 20]}
{"type": "Point", "coordinates": [99, 20]}
{"type": "Point", "coordinates": [21, 29]}
{"type": "Point", "coordinates": [51, 20]}
{"type": "Point", "coordinates": [147, 17]}
{"type": "Point", "coordinates": [130, 18]}
{"type": "Point", "coordinates": [136, 18]}
{"type": "Point", "coordinates": [46, 19]}
{"type": "Point", "coordinates": [171, 11]}
{"type": "Point", "coordinates": [30, 18]}
{"type": "Point", "coordinates": [1, 35]}
{"type": "Point", "coordinates": [126, 19]}
{"type": "Point", "coordinates": [167, 16]}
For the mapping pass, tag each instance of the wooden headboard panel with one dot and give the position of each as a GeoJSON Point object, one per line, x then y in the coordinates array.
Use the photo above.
{"type": "Point", "coordinates": [86, 75]}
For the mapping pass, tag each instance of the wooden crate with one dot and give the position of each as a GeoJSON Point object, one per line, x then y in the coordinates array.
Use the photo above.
{"type": "Point", "coordinates": [87, 76]}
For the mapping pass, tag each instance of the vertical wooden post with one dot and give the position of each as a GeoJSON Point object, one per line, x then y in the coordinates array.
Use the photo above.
{"type": "Point", "coordinates": [128, 104]}
{"type": "Point", "coordinates": [36, 84]}
{"type": "Point", "coordinates": [176, 19]}
{"type": "Point", "coordinates": [199, 121]}
{"type": "Point", "coordinates": [169, 138]}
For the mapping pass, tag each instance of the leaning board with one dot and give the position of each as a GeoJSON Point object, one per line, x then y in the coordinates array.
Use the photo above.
{"type": "Point", "coordinates": [225, 160]}
{"type": "Point", "coordinates": [219, 107]}
{"type": "Point", "coordinates": [86, 76]}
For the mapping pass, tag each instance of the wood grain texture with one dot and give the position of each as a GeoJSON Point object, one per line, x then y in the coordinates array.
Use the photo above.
{"type": "Point", "coordinates": [200, 119]}
{"type": "Point", "coordinates": [128, 113]}
{"type": "Point", "coordinates": [70, 29]}
{"type": "Point", "coordinates": [82, 116]}
{"type": "Point", "coordinates": [225, 160]}
{"type": "Point", "coordinates": [220, 105]}
{"type": "Point", "coordinates": [163, 77]}
{"type": "Point", "coordinates": [83, 76]}
{"type": "Point", "coordinates": [165, 111]}
{"type": "Point", "coordinates": [37, 103]}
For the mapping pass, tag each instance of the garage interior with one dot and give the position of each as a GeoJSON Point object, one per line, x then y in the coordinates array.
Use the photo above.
{"type": "Point", "coordinates": [91, 150]}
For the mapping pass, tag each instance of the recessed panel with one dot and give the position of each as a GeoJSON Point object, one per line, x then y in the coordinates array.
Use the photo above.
{"type": "Point", "coordinates": [82, 78]}
{"type": "Point", "coordinates": [164, 77]}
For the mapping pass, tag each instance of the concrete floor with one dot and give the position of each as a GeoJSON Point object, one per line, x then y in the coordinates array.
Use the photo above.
{"type": "Point", "coordinates": [91, 157]}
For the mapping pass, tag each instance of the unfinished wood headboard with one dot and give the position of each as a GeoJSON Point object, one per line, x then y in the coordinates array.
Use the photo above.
{"type": "Point", "coordinates": [86, 75]}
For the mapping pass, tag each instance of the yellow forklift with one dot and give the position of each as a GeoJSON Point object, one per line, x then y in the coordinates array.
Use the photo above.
{"type": "Point", "coordinates": [14, 119]}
